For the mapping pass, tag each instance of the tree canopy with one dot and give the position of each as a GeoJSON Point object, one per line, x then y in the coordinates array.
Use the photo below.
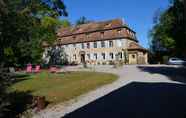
{"type": "Point", "coordinates": [168, 33]}
{"type": "Point", "coordinates": [24, 25]}
{"type": "Point", "coordinates": [82, 20]}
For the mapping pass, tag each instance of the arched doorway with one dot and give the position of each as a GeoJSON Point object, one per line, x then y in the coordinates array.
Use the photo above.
{"type": "Point", "coordinates": [82, 56]}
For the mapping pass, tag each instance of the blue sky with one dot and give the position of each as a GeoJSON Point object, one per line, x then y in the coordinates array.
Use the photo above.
{"type": "Point", "coordinates": [138, 14]}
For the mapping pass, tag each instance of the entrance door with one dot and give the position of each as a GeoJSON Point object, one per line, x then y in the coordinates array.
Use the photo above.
{"type": "Point", "coordinates": [82, 58]}
{"type": "Point", "coordinates": [133, 58]}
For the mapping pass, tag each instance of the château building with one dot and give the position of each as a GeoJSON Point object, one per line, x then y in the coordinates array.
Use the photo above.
{"type": "Point", "coordinates": [101, 43]}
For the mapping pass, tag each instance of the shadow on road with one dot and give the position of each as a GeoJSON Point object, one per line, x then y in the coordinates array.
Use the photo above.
{"type": "Point", "coordinates": [173, 73]}
{"type": "Point", "coordinates": [138, 100]}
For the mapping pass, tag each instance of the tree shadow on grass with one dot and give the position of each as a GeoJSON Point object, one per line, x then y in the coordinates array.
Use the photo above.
{"type": "Point", "coordinates": [17, 77]}
{"type": "Point", "coordinates": [138, 100]}
{"type": "Point", "coordinates": [18, 103]}
{"type": "Point", "coordinates": [173, 73]}
{"type": "Point", "coordinates": [21, 75]}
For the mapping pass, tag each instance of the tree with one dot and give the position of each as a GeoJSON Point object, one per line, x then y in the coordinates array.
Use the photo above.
{"type": "Point", "coordinates": [24, 25]}
{"type": "Point", "coordinates": [82, 20]}
{"type": "Point", "coordinates": [55, 55]}
{"type": "Point", "coordinates": [65, 23]}
{"type": "Point", "coordinates": [169, 34]}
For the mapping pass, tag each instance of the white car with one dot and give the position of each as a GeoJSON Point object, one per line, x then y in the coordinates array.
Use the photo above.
{"type": "Point", "coordinates": [176, 61]}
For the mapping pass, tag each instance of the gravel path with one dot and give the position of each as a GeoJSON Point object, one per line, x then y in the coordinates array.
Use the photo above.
{"type": "Point", "coordinates": [127, 74]}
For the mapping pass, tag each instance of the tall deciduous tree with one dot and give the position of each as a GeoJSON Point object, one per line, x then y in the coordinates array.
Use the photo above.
{"type": "Point", "coordinates": [24, 25]}
{"type": "Point", "coordinates": [168, 33]}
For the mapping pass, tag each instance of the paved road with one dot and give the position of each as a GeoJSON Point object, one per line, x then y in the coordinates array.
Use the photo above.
{"type": "Point", "coordinates": [155, 91]}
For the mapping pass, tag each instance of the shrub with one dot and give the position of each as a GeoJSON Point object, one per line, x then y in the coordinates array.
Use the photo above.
{"type": "Point", "coordinates": [165, 59]}
{"type": "Point", "coordinates": [74, 63]}
{"type": "Point", "coordinates": [98, 63]}
{"type": "Point", "coordinates": [104, 63]}
{"type": "Point", "coordinates": [111, 62]}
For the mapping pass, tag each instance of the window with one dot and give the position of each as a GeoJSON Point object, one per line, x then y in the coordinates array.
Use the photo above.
{"type": "Point", "coordinates": [144, 53]}
{"type": "Point", "coordinates": [95, 44]}
{"type": "Point", "coordinates": [102, 44]}
{"type": "Point", "coordinates": [111, 56]}
{"type": "Point", "coordinates": [87, 35]}
{"type": "Point", "coordinates": [103, 56]}
{"type": "Point", "coordinates": [128, 31]}
{"type": "Point", "coordinates": [82, 46]}
{"type": "Point", "coordinates": [95, 56]}
{"type": "Point", "coordinates": [119, 31]}
{"type": "Point", "coordinates": [74, 56]}
{"type": "Point", "coordinates": [88, 45]}
{"type": "Point", "coordinates": [120, 55]}
{"type": "Point", "coordinates": [60, 39]}
{"type": "Point", "coordinates": [74, 37]}
{"type": "Point", "coordinates": [110, 43]}
{"type": "Point", "coordinates": [74, 45]}
{"type": "Point", "coordinates": [119, 43]}
{"type": "Point", "coordinates": [102, 34]}
{"type": "Point", "coordinates": [88, 56]}
{"type": "Point", "coordinates": [133, 56]}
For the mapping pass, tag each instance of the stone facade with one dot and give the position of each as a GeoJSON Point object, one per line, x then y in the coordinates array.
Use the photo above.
{"type": "Point", "coordinates": [101, 43]}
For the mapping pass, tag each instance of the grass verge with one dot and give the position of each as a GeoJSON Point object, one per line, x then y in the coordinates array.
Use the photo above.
{"type": "Point", "coordinates": [61, 87]}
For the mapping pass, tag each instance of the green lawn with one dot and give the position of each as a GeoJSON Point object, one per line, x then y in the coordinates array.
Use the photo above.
{"type": "Point", "coordinates": [61, 87]}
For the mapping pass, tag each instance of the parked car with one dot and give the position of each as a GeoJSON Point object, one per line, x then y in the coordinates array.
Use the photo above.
{"type": "Point", "coordinates": [176, 61]}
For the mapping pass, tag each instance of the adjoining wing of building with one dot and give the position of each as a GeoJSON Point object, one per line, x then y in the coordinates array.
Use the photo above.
{"type": "Point", "coordinates": [101, 43]}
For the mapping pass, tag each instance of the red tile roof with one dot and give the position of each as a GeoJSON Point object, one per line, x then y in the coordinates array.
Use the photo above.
{"type": "Point", "coordinates": [92, 32]}
{"type": "Point", "coordinates": [135, 46]}
{"type": "Point", "coordinates": [90, 27]}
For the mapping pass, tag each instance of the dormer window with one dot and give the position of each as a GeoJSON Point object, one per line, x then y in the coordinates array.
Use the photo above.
{"type": "Point", "coordinates": [87, 35]}
{"type": "Point", "coordinates": [74, 37]}
{"type": "Point", "coordinates": [102, 34]}
{"type": "Point", "coordinates": [60, 39]}
{"type": "Point", "coordinates": [128, 31]}
{"type": "Point", "coordinates": [119, 31]}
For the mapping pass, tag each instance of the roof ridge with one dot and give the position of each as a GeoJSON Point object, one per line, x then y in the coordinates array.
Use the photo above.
{"type": "Point", "coordinates": [102, 21]}
{"type": "Point", "coordinates": [92, 26]}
